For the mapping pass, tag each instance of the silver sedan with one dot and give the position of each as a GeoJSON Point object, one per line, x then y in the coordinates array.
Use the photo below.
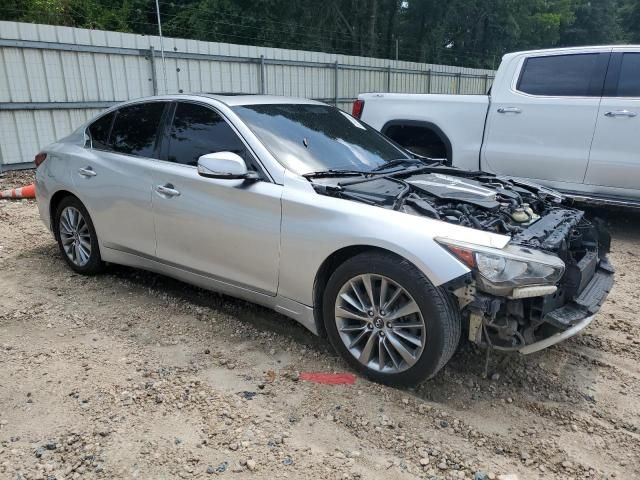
{"type": "Point", "coordinates": [298, 206]}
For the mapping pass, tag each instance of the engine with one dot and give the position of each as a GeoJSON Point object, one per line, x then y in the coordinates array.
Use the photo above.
{"type": "Point", "coordinates": [484, 202]}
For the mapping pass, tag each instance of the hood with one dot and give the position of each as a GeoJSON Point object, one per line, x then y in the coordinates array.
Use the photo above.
{"type": "Point", "coordinates": [477, 200]}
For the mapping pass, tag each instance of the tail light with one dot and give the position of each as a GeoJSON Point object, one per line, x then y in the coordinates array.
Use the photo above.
{"type": "Point", "coordinates": [40, 157]}
{"type": "Point", "coordinates": [358, 107]}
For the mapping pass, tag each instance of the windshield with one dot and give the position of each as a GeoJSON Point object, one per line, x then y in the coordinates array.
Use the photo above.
{"type": "Point", "coordinates": [309, 138]}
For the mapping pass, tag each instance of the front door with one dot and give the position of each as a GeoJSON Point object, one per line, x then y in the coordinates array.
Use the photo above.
{"type": "Point", "coordinates": [225, 229]}
{"type": "Point", "coordinates": [615, 153]}
{"type": "Point", "coordinates": [541, 126]}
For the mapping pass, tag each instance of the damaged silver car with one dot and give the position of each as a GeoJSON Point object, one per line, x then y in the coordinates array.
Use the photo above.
{"type": "Point", "coordinates": [300, 207]}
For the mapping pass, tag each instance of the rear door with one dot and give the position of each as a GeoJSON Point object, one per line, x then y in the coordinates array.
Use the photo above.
{"type": "Point", "coordinates": [541, 126]}
{"type": "Point", "coordinates": [615, 154]}
{"type": "Point", "coordinates": [113, 178]}
{"type": "Point", "coordinates": [226, 230]}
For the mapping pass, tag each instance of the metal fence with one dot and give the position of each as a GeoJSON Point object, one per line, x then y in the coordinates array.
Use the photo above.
{"type": "Point", "coordinates": [52, 78]}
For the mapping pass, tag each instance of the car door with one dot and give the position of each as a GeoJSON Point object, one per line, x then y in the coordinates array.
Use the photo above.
{"type": "Point", "coordinates": [541, 126]}
{"type": "Point", "coordinates": [615, 153]}
{"type": "Point", "coordinates": [228, 230]}
{"type": "Point", "coordinates": [113, 177]}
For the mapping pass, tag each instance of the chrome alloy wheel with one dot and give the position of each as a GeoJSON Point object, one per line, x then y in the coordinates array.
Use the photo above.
{"type": "Point", "coordinates": [380, 323]}
{"type": "Point", "coordinates": [75, 237]}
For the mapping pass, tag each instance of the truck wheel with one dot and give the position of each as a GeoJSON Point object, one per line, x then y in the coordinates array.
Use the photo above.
{"type": "Point", "coordinates": [388, 321]}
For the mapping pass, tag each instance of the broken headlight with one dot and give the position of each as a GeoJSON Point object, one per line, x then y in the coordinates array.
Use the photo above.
{"type": "Point", "coordinates": [500, 271]}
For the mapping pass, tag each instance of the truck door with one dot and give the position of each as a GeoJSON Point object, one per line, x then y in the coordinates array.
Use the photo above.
{"type": "Point", "coordinates": [615, 153]}
{"type": "Point", "coordinates": [541, 125]}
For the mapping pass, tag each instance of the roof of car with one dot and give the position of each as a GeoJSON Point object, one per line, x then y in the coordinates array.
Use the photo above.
{"type": "Point", "coordinates": [235, 99]}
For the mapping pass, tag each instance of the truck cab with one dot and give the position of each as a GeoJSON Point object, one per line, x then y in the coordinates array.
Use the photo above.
{"type": "Point", "coordinates": [567, 118]}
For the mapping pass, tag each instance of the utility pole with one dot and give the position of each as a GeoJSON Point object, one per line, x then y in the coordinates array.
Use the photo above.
{"type": "Point", "coordinates": [397, 47]}
{"type": "Point", "coordinates": [164, 64]}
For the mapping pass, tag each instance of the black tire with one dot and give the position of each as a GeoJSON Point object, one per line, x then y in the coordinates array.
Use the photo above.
{"type": "Point", "coordinates": [438, 308]}
{"type": "Point", "coordinates": [95, 264]}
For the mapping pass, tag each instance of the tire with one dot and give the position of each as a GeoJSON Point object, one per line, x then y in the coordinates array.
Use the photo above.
{"type": "Point", "coordinates": [361, 278]}
{"type": "Point", "coordinates": [76, 237]}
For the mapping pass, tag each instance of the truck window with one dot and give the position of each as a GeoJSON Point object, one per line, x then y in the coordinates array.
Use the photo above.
{"type": "Point", "coordinates": [562, 75]}
{"type": "Point", "coordinates": [629, 80]}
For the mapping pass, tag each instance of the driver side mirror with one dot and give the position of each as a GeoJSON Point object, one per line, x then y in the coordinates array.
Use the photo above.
{"type": "Point", "coordinates": [225, 166]}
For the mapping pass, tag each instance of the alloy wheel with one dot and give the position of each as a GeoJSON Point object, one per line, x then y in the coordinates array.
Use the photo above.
{"type": "Point", "coordinates": [75, 236]}
{"type": "Point", "coordinates": [380, 323]}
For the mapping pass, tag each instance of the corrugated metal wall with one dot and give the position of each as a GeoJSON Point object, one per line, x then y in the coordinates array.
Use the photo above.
{"type": "Point", "coordinates": [52, 79]}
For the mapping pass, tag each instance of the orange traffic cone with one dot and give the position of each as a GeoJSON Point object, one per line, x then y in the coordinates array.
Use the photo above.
{"type": "Point", "coordinates": [24, 192]}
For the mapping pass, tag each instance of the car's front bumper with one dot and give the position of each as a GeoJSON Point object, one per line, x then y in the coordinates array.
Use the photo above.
{"type": "Point", "coordinates": [530, 325]}
{"type": "Point", "coordinates": [558, 337]}
{"type": "Point", "coordinates": [580, 312]}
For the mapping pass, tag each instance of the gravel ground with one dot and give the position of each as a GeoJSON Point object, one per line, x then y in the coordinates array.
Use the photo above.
{"type": "Point", "coordinates": [135, 375]}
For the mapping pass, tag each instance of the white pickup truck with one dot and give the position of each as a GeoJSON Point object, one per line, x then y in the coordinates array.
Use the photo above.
{"type": "Point", "coordinates": [566, 118]}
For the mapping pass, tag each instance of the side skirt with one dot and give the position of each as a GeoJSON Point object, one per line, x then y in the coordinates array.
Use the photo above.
{"type": "Point", "coordinates": [299, 312]}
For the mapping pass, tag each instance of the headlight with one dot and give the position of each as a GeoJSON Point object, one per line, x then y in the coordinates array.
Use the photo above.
{"type": "Point", "coordinates": [499, 271]}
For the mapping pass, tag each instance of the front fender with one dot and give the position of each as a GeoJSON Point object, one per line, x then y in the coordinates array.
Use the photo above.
{"type": "Point", "coordinates": [315, 226]}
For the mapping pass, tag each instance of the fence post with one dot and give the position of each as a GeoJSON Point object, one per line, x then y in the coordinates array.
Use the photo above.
{"type": "Point", "coordinates": [486, 82]}
{"type": "Point", "coordinates": [389, 78]}
{"type": "Point", "coordinates": [154, 78]}
{"type": "Point", "coordinates": [335, 83]}
{"type": "Point", "coordinates": [429, 81]}
{"type": "Point", "coordinates": [263, 76]}
{"type": "Point", "coordinates": [459, 86]}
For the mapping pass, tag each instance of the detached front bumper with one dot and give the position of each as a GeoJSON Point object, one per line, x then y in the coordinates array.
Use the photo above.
{"type": "Point", "coordinates": [558, 337]}
{"type": "Point", "coordinates": [580, 312]}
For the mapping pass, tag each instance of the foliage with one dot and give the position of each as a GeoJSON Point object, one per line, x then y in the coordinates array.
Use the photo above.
{"type": "Point", "coordinates": [463, 32]}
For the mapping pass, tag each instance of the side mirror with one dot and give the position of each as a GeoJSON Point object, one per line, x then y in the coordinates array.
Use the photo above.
{"type": "Point", "coordinates": [224, 165]}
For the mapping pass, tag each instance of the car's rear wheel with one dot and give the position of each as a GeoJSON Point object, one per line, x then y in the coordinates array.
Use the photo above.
{"type": "Point", "coordinates": [77, 237]}
{"type": "Point", "coordinates": [388, 321]}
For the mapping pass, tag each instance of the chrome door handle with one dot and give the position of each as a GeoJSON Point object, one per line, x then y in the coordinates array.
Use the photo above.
{"type": "Point", "coordinates": [509, 110]}
{"type": "Point", "coordinates": [167, 190]}
{"type": "Point", "coordinates": [621, 113]}
{"type": "Point", "coordinates": [87, 172]}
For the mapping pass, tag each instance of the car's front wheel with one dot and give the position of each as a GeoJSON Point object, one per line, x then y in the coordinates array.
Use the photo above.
{"type": "Point", "coordinates": [388, 321]}
{"type": "Point", "coordinates": [77, 237]}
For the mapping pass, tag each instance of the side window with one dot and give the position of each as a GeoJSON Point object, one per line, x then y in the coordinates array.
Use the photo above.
{"type": "Point", "coordinates": [135, 129]}
{"type": "Point", "coordinates": [197, 130]}
{"type": "Point", "coordinates": [629, 80]}
{"type": "Point", "coordinates": [562, 75]}
{"type": "Point", "coordinates": [99, 132]}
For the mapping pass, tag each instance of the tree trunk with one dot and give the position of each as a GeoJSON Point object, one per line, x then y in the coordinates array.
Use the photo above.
{"type": "Point", "coordinates": [372, 28]}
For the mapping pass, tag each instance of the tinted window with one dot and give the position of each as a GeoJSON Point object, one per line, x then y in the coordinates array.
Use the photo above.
{"type": "Point", "coordinates": [307, 138]}
{"type": "Point", "coordinates": [99, 131]}
{"type": "Point", "coordinates": [135, 129]}
{"type": "Point", "coordinates": [197, 130]}
{"type": "Point", "coordinates": [560, 75]}
{"type": "Point", "coordinates": [629, 82]}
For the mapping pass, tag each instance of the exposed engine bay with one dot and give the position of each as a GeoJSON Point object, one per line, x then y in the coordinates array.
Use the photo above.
{"type": "Point", "coordinates": [533, 216]}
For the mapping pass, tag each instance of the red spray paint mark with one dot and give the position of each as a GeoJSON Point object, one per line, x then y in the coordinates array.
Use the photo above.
{"type": "Point", "coordinates": [329, 378]}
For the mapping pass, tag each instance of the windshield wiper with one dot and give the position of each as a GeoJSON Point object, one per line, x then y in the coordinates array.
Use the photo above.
{"type": "Point", "coordinates": [332, 172]}
{"type": "Point", "coordinates": [397, 162]}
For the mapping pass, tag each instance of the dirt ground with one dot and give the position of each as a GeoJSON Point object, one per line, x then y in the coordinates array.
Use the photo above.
{"type": "Point", "coordinates": [134, 375]}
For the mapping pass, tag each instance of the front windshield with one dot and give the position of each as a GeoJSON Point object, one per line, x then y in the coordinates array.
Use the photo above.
{"type": "Point", "coordinates": [309, 138]}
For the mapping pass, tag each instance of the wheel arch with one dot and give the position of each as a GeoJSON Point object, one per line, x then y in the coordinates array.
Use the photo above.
{"type": "Point", "coordinates": [55, 200]}
{"type": "Point", "coordinates": [426, 125]}
{"type": "Point", "coordinates": [329, 265]}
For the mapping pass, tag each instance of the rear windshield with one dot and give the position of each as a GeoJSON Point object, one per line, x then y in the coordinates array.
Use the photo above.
{"type": "Point", "coordinates": [310, 138]}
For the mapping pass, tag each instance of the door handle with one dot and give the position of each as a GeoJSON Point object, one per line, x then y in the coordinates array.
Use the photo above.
{"type": "Point", "coordinates": [509, 110]}
{"type": "Point", "coordinates": [167, 190]}
{"type": "Point", "coordinates": [87, 172]}
{"type": "Point", "coordinates": [621, 113]}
